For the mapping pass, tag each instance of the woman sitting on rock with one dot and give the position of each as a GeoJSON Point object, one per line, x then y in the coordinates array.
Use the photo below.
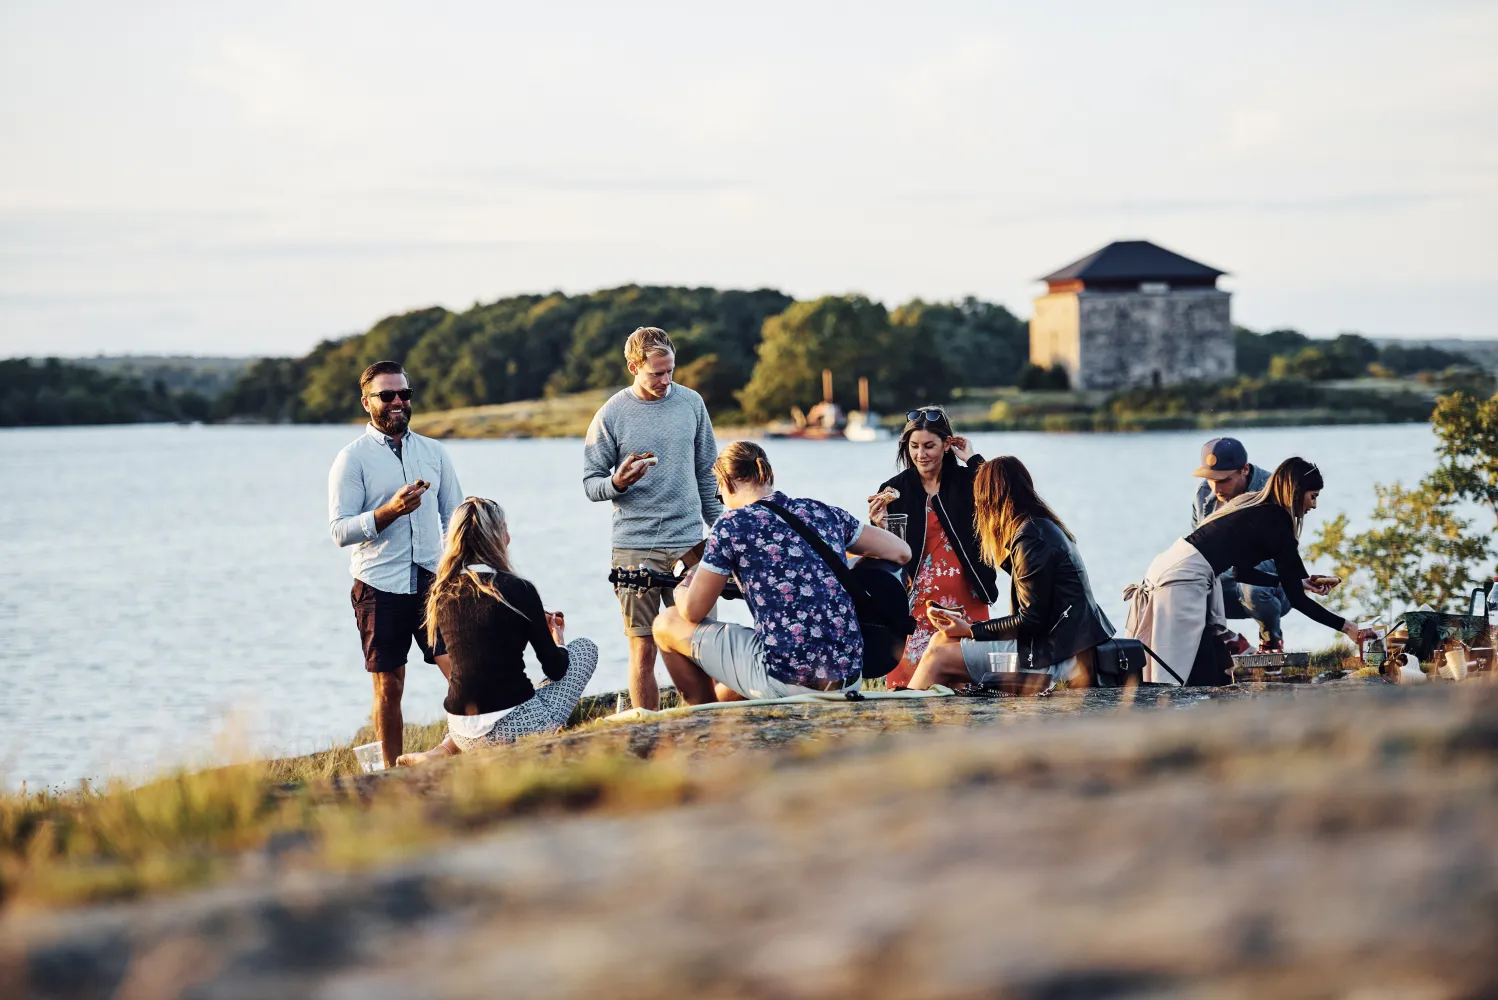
{"type": "Point", "coordinates": [487, 615]}
{"type": "Point", "coordinates": [934, 494]}
{"type": "Point", "coordinates": [1181, 593]}
{"type": "Point", "coordinates": [1054, 623]}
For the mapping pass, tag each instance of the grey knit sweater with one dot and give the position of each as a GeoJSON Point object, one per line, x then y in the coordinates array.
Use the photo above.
{"type": "Point", "coordinates": [667, 507]}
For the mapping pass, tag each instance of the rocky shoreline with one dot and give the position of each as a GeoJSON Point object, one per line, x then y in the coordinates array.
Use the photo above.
{"type": "Point", "coordinates": [1304, 841]}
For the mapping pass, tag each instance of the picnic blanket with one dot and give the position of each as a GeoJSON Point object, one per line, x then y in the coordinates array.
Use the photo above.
{"type": "Point", "coordinates": [811, 697]}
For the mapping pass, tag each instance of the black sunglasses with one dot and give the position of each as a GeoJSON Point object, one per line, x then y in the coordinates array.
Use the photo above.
{"type": "Point", "coordinates": [388, 395]}
{"type": "Point", "coordinates": [932, 414]}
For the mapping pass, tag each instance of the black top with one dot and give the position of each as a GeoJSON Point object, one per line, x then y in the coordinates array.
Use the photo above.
{"type": "Point", "coordinates": [954, 508]}
{"type": "Point", "coordinates": [1241, 539]}
{"type": "Point", "coordinates": [1053, 614]}
{"type": "Point", "coordinates": [486, 641]}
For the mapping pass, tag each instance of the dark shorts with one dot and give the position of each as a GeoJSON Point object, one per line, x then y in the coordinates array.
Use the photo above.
{"type": "Point", "coordinates": [388, 622]}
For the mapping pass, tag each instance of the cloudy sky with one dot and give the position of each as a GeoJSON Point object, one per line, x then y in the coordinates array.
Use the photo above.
{"type": "Point", "coordinates": [251, 178]}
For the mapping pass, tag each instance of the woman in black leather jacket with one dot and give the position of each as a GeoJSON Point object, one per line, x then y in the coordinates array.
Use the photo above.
{"type": "Point", "coordinates": [934, 493]}
{"type": "Point", "coordinates": [1055, 623]}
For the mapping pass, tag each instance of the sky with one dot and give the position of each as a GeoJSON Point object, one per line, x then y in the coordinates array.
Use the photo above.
{"type": "Point", "coordinates": [252, 178]}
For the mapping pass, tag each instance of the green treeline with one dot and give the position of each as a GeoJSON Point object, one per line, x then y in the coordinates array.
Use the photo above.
{"type": "Point", "coordinates": [752, 354]}
{"type": "Point", "coordinates": [1287, 354]}
{"type": "Point", "coordinates": [53, 393]}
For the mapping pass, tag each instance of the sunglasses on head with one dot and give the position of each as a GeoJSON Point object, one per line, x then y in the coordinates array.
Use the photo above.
{"type": "Point", "coordinates": [931, 413]}
{"type": "Point", "coordinates": [389, 395]}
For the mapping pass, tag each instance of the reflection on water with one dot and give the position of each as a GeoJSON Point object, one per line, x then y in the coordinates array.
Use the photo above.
{"type": "Point", "coordinates": [162, 580]}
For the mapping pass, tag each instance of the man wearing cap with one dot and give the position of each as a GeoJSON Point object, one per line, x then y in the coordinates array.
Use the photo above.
{"type": "Point", "coordinates": [1227, 474]}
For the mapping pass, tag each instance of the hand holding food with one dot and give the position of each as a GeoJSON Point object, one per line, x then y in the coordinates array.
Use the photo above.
{"type": "Point", "coordinates": [407, 498]}
{"type": "Point", "coordinates": [948, 620]}
{"type": "Point", "coordinates": [632, 469]}
{"type": "Point", "coordinates": [879, 501]}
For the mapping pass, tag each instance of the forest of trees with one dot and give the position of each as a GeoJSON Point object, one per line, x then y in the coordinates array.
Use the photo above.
{"type": "Point", "coordinates": [53, 393]}
{"type": "Point", "coordinates": [528, 346]}
{"type": "Point", "coordinates": [752, 355]}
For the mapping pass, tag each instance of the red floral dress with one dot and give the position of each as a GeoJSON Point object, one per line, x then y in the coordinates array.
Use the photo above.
{"type": "Point", "coordinates": [940, 579]}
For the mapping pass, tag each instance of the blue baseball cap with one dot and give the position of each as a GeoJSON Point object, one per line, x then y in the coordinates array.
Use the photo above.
{"type": "Point", "coordinates": [1221, 457]}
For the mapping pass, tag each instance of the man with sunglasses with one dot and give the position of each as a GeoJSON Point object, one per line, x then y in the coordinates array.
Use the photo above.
{"type": "Point", "coordinates": [390, 494]}
{"type": "Point", "coordinates": [650, 452]}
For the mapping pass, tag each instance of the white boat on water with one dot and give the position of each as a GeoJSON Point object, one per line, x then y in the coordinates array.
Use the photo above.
{"type": "Point", "coordinates": [864, 428]}
{"type": "Point", "coordinates": [826, 421]}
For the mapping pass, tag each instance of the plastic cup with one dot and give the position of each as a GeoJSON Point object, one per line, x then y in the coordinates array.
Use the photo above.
{"type": "Point", "coordinates": [371, 757]}
{"type": "Point", "coordinates": [1003, 663]}
{"type": "Point", "coordinates": [895, 524]}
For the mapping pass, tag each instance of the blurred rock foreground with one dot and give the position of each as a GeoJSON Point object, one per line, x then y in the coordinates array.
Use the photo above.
{"type": "Point", "coordinates": [1329, 840]}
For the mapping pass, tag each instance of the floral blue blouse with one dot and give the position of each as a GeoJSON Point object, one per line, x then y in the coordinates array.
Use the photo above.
{"type": "Point", "coordinates": [802, 614]}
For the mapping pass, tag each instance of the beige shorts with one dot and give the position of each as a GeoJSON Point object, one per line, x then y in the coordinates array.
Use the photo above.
{"type": "Point", "coordinates": [640, 608]}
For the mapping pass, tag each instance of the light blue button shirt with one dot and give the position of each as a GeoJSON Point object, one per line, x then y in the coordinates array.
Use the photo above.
{"type": "Point", "coordinates": [365, 475]}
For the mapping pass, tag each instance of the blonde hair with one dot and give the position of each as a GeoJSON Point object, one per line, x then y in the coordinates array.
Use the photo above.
{"type": "Point", "coordinates": [476, 534]}
{"type": "Point", "coordinates": [744, 462]}
{"type": "Point", "coordinates": [1004, 498]}
{"type": "Point", "coordinates": [645, 341]}
{"type": "Point", "coordinates": [1287, 486]}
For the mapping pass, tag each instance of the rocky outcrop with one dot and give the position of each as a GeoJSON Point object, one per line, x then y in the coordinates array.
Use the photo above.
{"type": "Point", "coordinates": [1328, 842]}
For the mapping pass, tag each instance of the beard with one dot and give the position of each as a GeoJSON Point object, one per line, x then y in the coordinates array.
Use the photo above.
{"type": "Point", "coordinates": [392, 420]}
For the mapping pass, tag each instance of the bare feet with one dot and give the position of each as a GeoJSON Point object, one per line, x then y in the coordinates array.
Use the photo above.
{"type": "Point", "coordinates": [447, 748]}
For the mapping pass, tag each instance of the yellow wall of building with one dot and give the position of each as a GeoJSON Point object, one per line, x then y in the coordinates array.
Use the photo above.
{"type": "Point", "coordinates": [1055, 333]}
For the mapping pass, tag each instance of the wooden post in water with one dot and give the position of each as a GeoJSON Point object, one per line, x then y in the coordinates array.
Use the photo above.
{"type": "Point", "coordinates": [863, 394]}
{"type": "Point", "coordinates": [827, 385]}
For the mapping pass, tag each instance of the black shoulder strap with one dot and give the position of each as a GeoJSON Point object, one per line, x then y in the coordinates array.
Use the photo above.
{"type": "Point", "coordinates": [838, 565]}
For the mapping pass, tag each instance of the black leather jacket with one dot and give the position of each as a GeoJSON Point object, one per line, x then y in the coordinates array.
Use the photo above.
{"type": "Point", "coordinates": [954, 508]}
{"type": "Point", "coordinates": [1054, 614]}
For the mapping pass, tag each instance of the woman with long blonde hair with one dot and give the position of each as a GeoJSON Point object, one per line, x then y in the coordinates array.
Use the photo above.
{"type": "Point", "coordinates": [1054, 623]}
{"type": "Point", "coordinates": [1181, 594]}
{"type": "Point", "coordinates": [487, 615]}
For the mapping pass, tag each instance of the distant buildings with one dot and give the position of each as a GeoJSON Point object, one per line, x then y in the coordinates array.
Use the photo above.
{"type": "Point", "coordinates": [1134, 314]}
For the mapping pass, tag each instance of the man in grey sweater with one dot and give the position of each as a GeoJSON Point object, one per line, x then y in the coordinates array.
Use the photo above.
{"type": "Point", "coordinates": [650, 450]}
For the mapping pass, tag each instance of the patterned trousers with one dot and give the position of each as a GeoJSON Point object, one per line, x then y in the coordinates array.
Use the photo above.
{"type": "Point", "coordinates": [549, 708]}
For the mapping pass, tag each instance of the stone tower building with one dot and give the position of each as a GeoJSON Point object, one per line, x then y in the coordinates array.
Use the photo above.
{"type": "Point", "coordinates": [1134, 314]}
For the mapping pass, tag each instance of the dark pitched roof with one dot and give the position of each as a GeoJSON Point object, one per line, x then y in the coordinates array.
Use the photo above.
{"type": "Point", "coordinates": [1133, 260]}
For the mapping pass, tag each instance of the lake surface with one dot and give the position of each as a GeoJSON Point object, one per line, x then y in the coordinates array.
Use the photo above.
{"type": "Point", "coordinates": [171, 595]}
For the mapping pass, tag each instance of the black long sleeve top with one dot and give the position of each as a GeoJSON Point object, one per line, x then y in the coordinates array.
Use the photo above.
{"type": "Point", "coordinates": [486, 642]}
{"type": "Point", "coordinates": [1241, 539]}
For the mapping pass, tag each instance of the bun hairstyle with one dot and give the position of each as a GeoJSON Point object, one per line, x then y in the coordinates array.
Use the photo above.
{"type": "Point", "coordinates": [744, 462]}
{"type": "Point", "coordinates": [941, 427]}
{"type": "Point", "coordinates": [1288, 485]}
{"type": "Point", "coordinates": [1004, 498]}
{"type": "Point", "coordinates": [475, 535]}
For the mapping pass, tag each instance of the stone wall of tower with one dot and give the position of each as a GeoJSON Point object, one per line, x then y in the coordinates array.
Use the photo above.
{"type": "Point", "coordinates": [1129, 339]}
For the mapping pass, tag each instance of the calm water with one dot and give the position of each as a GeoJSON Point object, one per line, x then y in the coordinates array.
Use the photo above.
{"type": "Point", "coordinates": [172, 593]}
